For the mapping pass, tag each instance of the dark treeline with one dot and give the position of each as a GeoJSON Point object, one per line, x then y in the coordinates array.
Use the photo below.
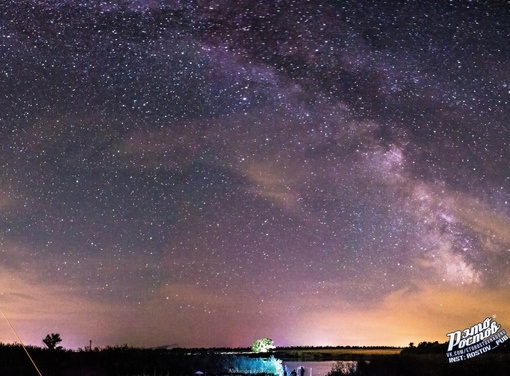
{"type": "Point", "coordinates": [334, 347]}
{"type": "Point", "coordinates": [441, 348]}
{"type": "Point", "coordinates": [121, 361]}
{"type": "Point", "coordinates": [426, 348]}
{"type": "Point", "coordinates": [207, 350]}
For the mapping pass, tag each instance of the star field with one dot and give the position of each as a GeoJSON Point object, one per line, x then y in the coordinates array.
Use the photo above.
{"type": "Point", "coordinates": [207, 173]}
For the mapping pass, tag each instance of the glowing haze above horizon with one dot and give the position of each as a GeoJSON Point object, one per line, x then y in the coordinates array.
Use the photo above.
{"type": "Point", "coordinates": [206, 173]}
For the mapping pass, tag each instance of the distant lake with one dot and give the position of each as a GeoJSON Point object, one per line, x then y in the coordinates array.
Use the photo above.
{"type": "Point", "coordinates": [315, 368]}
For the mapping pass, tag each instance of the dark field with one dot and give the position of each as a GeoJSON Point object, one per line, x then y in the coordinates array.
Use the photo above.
{"type": "Point", "coordinates": [333, 353]}
{"type": "Point", "coordinates": [434, 365]}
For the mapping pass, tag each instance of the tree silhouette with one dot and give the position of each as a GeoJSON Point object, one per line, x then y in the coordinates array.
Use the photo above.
{"type": "Point", "coordinates": [51, 341]}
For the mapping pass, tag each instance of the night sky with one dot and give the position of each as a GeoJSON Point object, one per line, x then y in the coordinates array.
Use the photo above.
{"type": "Point", "coordinates": [209, 172]}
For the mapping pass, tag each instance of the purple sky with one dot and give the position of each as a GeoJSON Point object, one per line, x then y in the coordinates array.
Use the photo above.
{"type": "Point", "coordinates": [206, 173]}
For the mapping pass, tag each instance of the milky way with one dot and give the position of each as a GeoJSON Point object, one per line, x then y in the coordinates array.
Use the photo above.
{"type": "Point", "coordinates": [207, 173]}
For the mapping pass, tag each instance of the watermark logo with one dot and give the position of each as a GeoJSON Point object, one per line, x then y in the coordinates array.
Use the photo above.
{"type": "Point", "coordinates": [475, 340]}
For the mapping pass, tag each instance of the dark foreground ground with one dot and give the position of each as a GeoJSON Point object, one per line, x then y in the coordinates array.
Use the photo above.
{"type": "Point", "coordinates": [126, 361]}
{"type": "Point", "coordinates": [434, 365]}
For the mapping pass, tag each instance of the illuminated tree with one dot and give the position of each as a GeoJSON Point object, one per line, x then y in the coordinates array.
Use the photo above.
{"type": "Point", "coordinates": [262, 345]}
{"type": "Point", "coordinates": [51, 341]}
{"type": "Point", "coordinates": [239, 364]}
